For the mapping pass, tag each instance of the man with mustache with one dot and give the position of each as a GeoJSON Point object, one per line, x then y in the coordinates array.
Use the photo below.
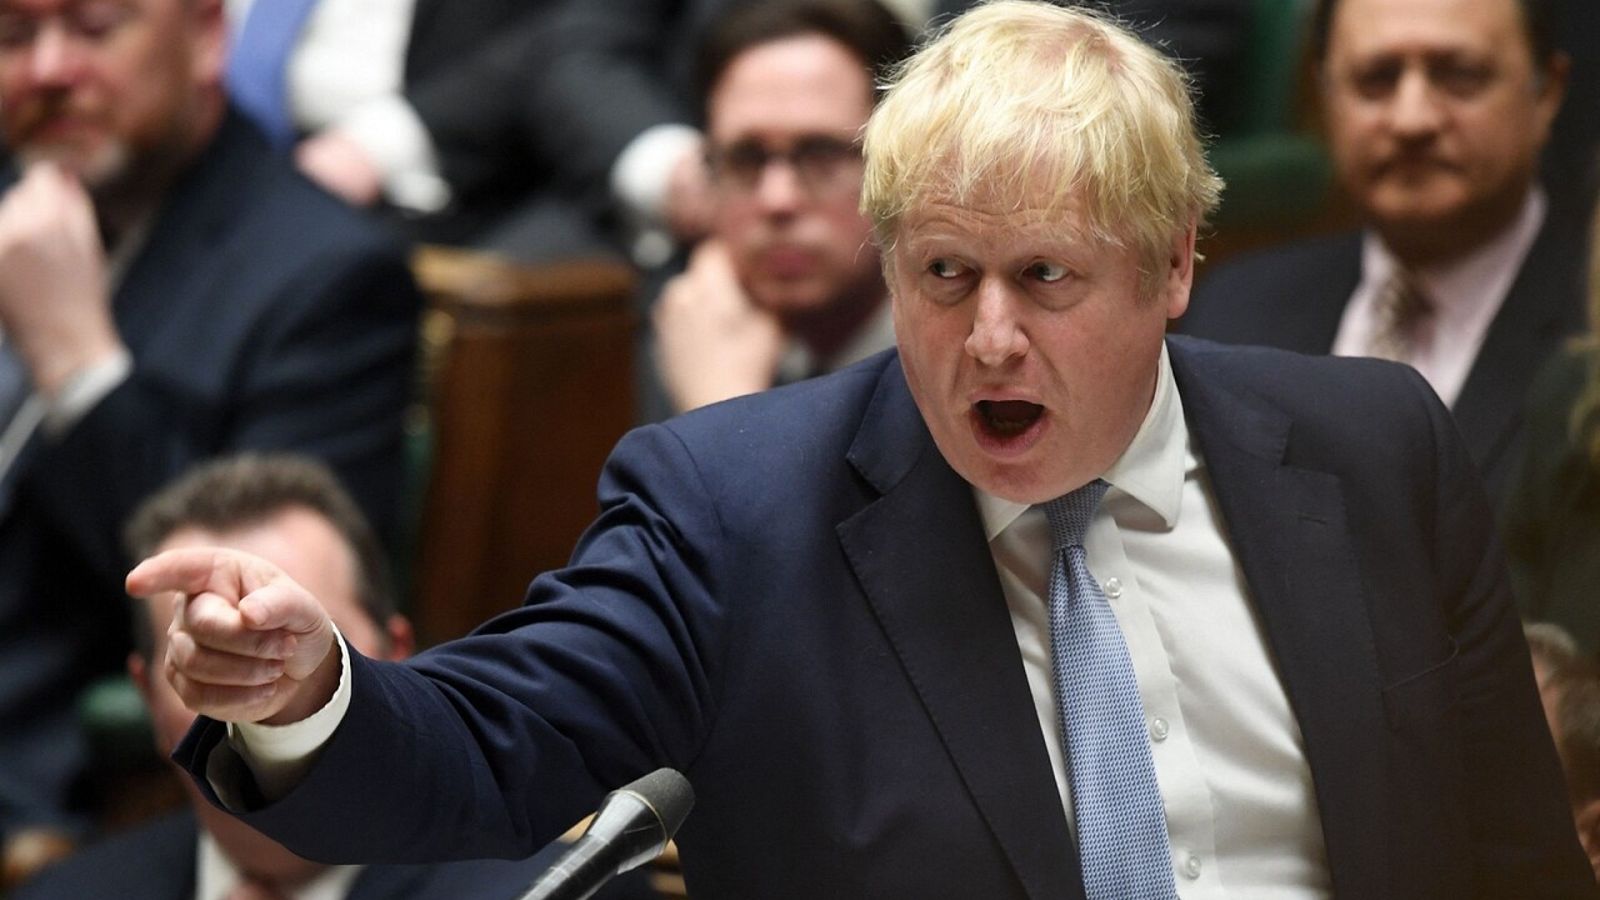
{"type": "Point", "coordinates": [1436, 114]}
{"type": "Point", "coordinates": [788, 284]}
{"type": "Point", "coordinates": [169, 291]}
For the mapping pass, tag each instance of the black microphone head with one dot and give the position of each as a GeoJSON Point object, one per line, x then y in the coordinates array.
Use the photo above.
{"type": "Point", "coordinates": [666, 792]}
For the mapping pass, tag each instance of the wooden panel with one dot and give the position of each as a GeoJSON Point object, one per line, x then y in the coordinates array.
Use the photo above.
{"type": "Point", "coordinates": [529, 380]}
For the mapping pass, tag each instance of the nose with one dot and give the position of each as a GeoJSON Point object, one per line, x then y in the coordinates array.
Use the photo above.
{"type": "Point", "coordinates": [50, 59]}
{"type": "Point", "coordinates": [1414, 109]}
{"type": "Point", "coordinates": [997, 336]}
{"type": "Point", "coordinates": [778, 188]}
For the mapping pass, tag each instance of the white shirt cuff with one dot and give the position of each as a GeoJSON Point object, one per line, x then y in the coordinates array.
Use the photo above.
{"type": "Point", "coordinates": [84, 390]}
{"type": "Point", "coordinates": [399, 145]}
{"type": "Point", "coordinates": [279, 755]}
{"type": "Point", "coordinates": [640, 175]}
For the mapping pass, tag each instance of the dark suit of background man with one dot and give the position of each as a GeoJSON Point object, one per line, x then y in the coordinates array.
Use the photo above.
{"type": "Point", "coordinates": [1284, 648]}
{"type": "Point", "coordinates": [292, 511]}
{"type": "Point", "coordinates": [1436, 113]}
{"type": "Point", "coordinates": [171, 290]}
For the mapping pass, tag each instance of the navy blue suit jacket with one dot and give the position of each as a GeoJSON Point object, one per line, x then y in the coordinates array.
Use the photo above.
{"type": "Point", "coordinates": [1294, 296]}
{"type": "Point", "coordinates": [789, 597]}
{"type": "Point", "coordinates": [261, 314]}
{"type": "Point", "coordinates": [157, 862]}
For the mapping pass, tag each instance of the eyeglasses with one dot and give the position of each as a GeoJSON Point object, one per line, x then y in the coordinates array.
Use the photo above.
{"type": "Point", "coordinates": [822, 164]}
{"type": "Point", "coordinates": [91, 22]}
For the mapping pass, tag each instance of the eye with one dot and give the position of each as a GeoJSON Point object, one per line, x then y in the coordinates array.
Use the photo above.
{"type": "Point", "coordinates": [1047, 272]}
{"type": "Point", "coordinates": [96, 21]}
{"type": "Point", "coordinates": [946, 268]}
{"type": "Point", "coordinates": [1460, 79]}
{"type": "Point", "coordinates": [1376, 80]}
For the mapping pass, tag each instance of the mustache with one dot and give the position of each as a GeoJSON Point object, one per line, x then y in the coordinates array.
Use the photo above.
{"type": "Point", "coordinates": [34, 113]}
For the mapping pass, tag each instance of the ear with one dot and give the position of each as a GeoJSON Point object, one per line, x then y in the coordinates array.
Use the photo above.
{"type": "Point", "coordinates": [402, 639]}
{"type": "Point", "coordinates": [139, 671]}
{"type": "Point", "coordinates": [209, 26]}
{"type": "Point", "coordinates": [1587, 814]}
{"type": "Point", "coordinates": [1180, 271]}
{"type": "Point", "coordinates": [1552, 90]}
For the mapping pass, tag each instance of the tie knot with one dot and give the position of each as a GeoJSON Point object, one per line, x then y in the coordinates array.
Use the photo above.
{"type": "Point", "coordinates": [1069, 514]}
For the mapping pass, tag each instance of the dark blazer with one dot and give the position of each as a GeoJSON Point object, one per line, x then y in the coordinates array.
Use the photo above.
{"type": "Point", "coordinates": [157, 862]}
{"type": "Point", "coordinates": [1293, 297]}
{"type": "Point", "coordinates": [789, 597]}
{"type": "Point", "coordinates": [465, 80]}
{"type": "Point", "coordinates": [261, 314]}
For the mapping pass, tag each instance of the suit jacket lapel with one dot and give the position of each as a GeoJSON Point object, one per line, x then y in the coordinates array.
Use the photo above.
{"type": "Point", "coordinates": [920, 555]}
{"type": "Point", "coordinates": [1288, 529]}
{"type": "Point", "coordinates": [1544, 303]}
{"type": "Point", "coordinates": [177, 259]}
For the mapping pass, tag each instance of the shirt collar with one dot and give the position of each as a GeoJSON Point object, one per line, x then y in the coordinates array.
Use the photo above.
{"type": "Point", "coordinates": [1151, 470]}
{"type": "Point", "coordinates": [1460, 282]}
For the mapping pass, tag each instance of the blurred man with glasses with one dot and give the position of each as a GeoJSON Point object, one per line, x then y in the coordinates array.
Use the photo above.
{"type": "Point", "coordinates": [787, 285]}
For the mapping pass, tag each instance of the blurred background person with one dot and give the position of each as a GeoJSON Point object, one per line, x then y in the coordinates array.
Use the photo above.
{"type": "Point", "coordinates": [169, 290]}
{"type": "Point", "coordinates": [290, 510]}
{"type": "Point", "coordinates": [1552, 514]}
{"type": "Point", "coordinates": [787, 284]}
{"type": "Point", "coordinates": [1569, 688]}
{"type": "Point", "coordinates": [1436, 113]}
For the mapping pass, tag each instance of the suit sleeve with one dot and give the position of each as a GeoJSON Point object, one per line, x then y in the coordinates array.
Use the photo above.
{"type": "Point", "coordinates": [327, 373]}
{"type": "Point", "coordinates": [1524, 841]}
{"type": "Point", "coordinates": [493, 744]}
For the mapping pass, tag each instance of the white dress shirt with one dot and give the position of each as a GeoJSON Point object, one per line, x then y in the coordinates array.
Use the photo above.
{"type": "Point", "coordinates": [1465, 295]}
{"type": "Point", "coordinates": [1240, 806]}
{"type": "Point", "coordinates": [347, 72]}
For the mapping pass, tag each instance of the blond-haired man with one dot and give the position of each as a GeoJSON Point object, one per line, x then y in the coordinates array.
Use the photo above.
{"type": "Point", "coordinates": [1042, 605]}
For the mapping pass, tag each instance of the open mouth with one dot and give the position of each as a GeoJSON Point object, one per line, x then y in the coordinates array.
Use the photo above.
{"type": "Point", "coordinates": [1007, 419]}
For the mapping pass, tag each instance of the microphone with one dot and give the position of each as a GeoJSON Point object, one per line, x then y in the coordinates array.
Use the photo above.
{"type": "Point", "coordinates": [632, 825]}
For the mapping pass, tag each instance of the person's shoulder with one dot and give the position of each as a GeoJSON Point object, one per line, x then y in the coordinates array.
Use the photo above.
{"type": "Point", "coordinates": [268, 206]}
{"type": "Point", "coordinates": [825, 410]}
{"type": "Point", "coordinates": [1286, 295]}
{"type": "Point", "coordinates": [146, 861]}
{"type": "Point", "coordinates": [1319, 386]}
{"type": "Point", "coordinates": [1293, 260]}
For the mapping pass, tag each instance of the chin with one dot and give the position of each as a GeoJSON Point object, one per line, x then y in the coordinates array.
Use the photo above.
{"type": "Point", "coordinates": [790, 299]}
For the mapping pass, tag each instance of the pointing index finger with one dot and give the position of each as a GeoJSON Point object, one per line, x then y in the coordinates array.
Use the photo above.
{"type": "Point", "coordinates": [227, 573]}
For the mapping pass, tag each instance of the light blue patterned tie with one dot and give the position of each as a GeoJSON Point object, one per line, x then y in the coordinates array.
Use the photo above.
{"type": "Point", "coordinates": [1116, 802]}
{"type": "Point", "coordinates": [258, 64]}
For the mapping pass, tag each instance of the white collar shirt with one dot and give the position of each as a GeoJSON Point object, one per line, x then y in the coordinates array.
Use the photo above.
{"type": "Point", "coordinates": [1241, 810]}
{"type": "Point", "coordinates": [1465, 294]}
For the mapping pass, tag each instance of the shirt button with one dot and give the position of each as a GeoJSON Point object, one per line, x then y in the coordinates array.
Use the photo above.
{"type": "Point", "coordinates": [1191, 867]}
{"type": "Point", "coordinates": [1159, 731]}
{"type": "Point", "coordinates": [1113, 587]}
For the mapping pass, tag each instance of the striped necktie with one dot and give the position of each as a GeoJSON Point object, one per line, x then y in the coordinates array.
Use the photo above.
{"type": "Point", "coordinates": [1399, 311]}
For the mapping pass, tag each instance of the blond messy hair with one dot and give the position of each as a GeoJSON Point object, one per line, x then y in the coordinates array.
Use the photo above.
{"type": "Point", "coordinates": [1042, 107]}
